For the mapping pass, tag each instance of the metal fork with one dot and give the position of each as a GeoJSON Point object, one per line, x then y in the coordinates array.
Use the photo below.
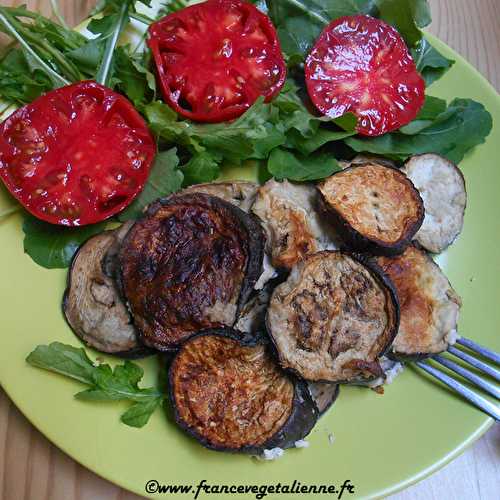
{"type": "Point", "coordinates": [491, 388]}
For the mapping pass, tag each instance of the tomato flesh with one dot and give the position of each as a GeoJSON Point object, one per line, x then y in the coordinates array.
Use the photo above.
{"type": "Point", "coordinates": [362, 65]}
{"type": "Point", "coordinates": [76, 155]}
{"type": "Point", "coordinates": [214, 59]}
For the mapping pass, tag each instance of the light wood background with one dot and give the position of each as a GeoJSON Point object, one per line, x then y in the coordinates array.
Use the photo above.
{"type": "Point", "coordinates": [31, 468]}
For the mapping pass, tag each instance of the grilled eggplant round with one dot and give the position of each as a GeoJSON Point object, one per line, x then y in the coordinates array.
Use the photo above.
{"type": "Point", "coordinates": [229, 393]}
{"type": "Point", "coordinates": [429, 305]}
{"type": "Point", "coordinates": [324, 395]}
{"type": "Point", "coordinates": [333, 318]}
{"type": "Point", "coordinates": [442, 187]}
{"type": "Point", "coordinates": [92, 304]}
{"type": "Point", "coordinates": [374, 207]}
{"type": "Point", "coordinates": [294, 228]}
{"type": "Point", "coordinates": [189, 264]}
{"type": "Point", "coordinates": [239, 193]}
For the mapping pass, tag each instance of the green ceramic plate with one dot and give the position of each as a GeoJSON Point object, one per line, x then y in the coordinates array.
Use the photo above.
{"type": "Point", "coordinates": [382, 443]}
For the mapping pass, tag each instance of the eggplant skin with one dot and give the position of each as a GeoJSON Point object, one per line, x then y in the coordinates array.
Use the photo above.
{"type": "Point", "coordinates": [333, 318]}
{"type": "Point", "coordinates": [429, 305]}
{"type": "Point", "coordinates": [190, 263]}
{"type": "Point", "coordinates": [246, 404]}
{"type": "Point", "coordinates": [442, 187]}
{"type": "Point", "coordinates": [92, 305]}
{"type": "Point", "coordinates": [324, 395]}
{"type": "Point", "coordinates": [294, 228]}
{"type": "Point", "coordinates": [239, 193]}
{"type": "Point", "coordinates": [375, 208]}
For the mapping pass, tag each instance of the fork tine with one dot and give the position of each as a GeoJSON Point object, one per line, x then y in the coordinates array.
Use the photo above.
{"type": "Point", "coordinates": [468, 375]}
{"type": "Point", "coordinates": [474, 398]}
{"type": "Point", "coordinates": [487, 353]}
{"type": "Point", "coordinates": [492, 372]}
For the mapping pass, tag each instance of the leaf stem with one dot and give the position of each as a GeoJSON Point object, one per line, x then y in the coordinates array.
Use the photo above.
{"type": "Point", "coordinates": [56, 77]}
{"type": "Point", "coordinates": [103, 74]}
{"type": "Point", "coordinates": [142, 18]}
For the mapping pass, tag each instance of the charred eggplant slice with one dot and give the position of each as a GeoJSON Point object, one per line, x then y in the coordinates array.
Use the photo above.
{"type": "Point", "coordinates": [229, 393]}
{"type": "Point", "coordinates": [188, 264]}
{"type": "Point", "coordinates": [239, 193]}
{"type": "Point", "coordinates": [442, 187]}
{"type": "Point", "coordinates": [294, 228]}
{"type": "Point", "coordinates": [429, 305]}
{"type": "Point", "coordinates": [92, 303]}
{"type": "Point", "coordinates": [374, 207]}
{"type": "Point", "coordinates": [324, 395]}
{"type": "Point", "coordinates": [333, 318]}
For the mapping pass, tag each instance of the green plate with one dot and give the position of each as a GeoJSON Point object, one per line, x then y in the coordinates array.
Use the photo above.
{"type": "Point", "coordinates": [382, 443]}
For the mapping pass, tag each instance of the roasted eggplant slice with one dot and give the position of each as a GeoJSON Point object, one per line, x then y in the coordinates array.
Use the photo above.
{"type": "Point", "coordinates": [230, 394]}
{"type": "Point", "coordinates": [324, 395]}
{"type": "Point", "coordinates": [294, 228]}
{"type": "Point", "coordinates": [429, 305]}
{"type": "Point", "coordinates": [188, 264]}
{"type": "Point", "coordinates": [239, 193]}
{"type": "Point", "coordinates": [92, 304]}
{"type": "Point", "coordinates": [333, 318]}
{"type": "Point", "coordinates": [374, 207]}
{"type": "Point", "coordinates": [442, 187]}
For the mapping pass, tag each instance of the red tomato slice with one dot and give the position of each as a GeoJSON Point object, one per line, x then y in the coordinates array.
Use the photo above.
{"type": "Point", "coordinates": [362, 65]}
{"type": "Point", "coordinates": [77, 155]}
{"type": "Point", "coordinates": [214, 59]}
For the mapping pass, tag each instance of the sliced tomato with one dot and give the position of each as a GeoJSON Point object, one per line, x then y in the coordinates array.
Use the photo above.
{"type": "Point", "coordinates": [77, 155]}
{"type": "Point", "coordinates": [362, 65]}
{"type": "Point", "coordinates": [214, 59]}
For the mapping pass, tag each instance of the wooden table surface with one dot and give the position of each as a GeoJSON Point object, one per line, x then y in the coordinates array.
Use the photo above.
{"type": "Point", "coordinates": [31, 468]}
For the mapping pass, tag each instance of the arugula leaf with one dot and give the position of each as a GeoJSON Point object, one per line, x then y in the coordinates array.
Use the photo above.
{"type": "Point", "coordinates": [253, 135]}
{"type": "Point", "coordinates": [430, 63]}
{"type": "Point", "coordinates": [11, 27]}
{"type": "Point", "coordinates": [105, 383]}
{"type": "Point", "coordinates": [407, 16]}
{"type": "Point", "coordinates": [138, 414]}
{"type": "Point", "coordinates": [287, 165]}
{"type": "Point", "coordinates": [63, 359]}
{"type": "Point", "coordinates": [462, 126]}
{"type": "Point", "coordinates": [52, 246]}
{"type": "Point", "coordinates": [163, 180]}
{"type": "Point", "coordinates": [433, 109]}
{"type": "Point", "coordinates": [299, 22]}
{"type": "Point", "coordinates": [201, 168]}
{"type": "Point", "coordinates": [17, 83]}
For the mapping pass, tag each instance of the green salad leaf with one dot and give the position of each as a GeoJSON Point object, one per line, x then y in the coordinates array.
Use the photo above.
{"type": "Point", "coordinates": [53, 246]}
{"type": "Point", "coordinates": [163, 180]}
{"type": "Point", "coordinates": [200, 168]}
{"type": "Point", "coordinates": [18, 84]}
{"type": "Point", "coordinates": [120, 383]}
{"type": "Point", "coordinates": [299, 22]}
{"type": "Point", "coordinates": [431, 63]}
{"type": "Point", "coordinates": [463, 125]}
{"type": "Point", "coordinates": [284, 164]}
